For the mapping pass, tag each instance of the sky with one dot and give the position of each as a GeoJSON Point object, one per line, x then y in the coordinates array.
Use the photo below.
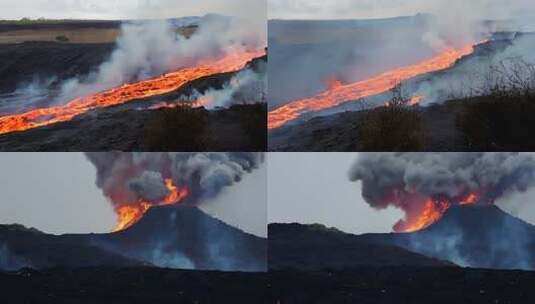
{"type": "Point", "coordinates": [126, 9]}
{"type": "Point", "coordinates": [369, 9]}
{"type": "Point", "coordinates": [313, 188]}
{"type": "Point", "coordinates": [56, 193]}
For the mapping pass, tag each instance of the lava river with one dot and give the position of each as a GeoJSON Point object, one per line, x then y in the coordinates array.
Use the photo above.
{"type": "Point", "coordinates": [152, 87]}
{"type": "Point", "coordinates": [340, 93]}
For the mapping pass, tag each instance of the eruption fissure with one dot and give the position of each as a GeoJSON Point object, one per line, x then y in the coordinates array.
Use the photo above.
{"type": "Point", "coordinates": [338, 93]}
{"type": "Point", "coordinates": [163, 84]}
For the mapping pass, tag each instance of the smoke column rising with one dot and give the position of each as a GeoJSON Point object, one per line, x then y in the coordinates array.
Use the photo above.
{"type": "Point", "coordinates": [142, 180]}
{"type": "Point", "coordinates": [425, 185]}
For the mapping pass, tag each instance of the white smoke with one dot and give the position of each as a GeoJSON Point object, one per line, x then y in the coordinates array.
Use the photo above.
{"type": "Point", "coordinates": [149, 48]}
{"type": "Point", "coordinates": [246, 87]}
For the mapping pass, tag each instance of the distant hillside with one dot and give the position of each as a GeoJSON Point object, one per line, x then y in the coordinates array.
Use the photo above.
{"type": "Point", "coordinates": [473, 236]}
{"type": "Point", "coordinates": [173, 237]}
{"type": "Point", "coordinates": [315, 247]}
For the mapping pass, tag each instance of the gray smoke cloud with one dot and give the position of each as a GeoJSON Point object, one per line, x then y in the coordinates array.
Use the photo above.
{"type": "Point", "coordinates": [125, 178]}
{"type": "Point", "coordinates": [407, 180]}
{"type": "Point", "coordinates": [246, 87]}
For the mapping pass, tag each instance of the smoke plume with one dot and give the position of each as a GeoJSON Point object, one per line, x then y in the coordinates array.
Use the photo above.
{"type": "Point", "coordinates": [127, 178]}
{"type": "Point", "coordinates": [425, 185]}
{"type": "Point", "coordinates": [149, 48]}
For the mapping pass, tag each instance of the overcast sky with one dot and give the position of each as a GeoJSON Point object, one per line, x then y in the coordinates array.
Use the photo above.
{"type": "Point", "coordinates": [365, 9]}
{"type": "Point", "coordinates": [126, 9]}
{"type": "Point", "coordinates": [315, 188]}
{"type": "Point", "coordinates": [56, 193]}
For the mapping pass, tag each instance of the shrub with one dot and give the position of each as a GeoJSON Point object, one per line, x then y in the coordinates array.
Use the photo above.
{"type": "Point", "coordinates": [395, 127]}
{"type": "Point", "coordinates": [182, 128]}
{"type": "Point", "coordinates": [62, 38]}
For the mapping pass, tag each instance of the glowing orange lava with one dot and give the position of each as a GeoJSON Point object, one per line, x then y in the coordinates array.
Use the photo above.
{"type": "Point", "coordinates": [338, 93]}
{"type": "Point", "coordinates": [128, 215]}
{"type": "Point", "coordinates": [432, 210]}
{"type": "Point", "coordinates": [163, 84]}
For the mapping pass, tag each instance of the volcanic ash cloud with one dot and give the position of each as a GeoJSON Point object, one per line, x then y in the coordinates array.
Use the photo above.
{"type": "Point", "coordinates": [134, 182]}
{"type": "Point", "coordinates": [425, 185]}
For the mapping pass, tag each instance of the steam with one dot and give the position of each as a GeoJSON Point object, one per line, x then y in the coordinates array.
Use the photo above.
{"type": "Point", "coordinates": [407, 180]}
{"type": "Point", "coordinates": [126, 178]}
{"type": "Point", "coordinates": [246, 87]}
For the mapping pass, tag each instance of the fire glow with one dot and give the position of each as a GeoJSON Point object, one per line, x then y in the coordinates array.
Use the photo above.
{"type": "Point", "coordinates": [429, 211]}
{"type": "Point", "coordinates": [128, 215]}
{"type": "Point", "coordinates": [338, 93]}
{"type": "Point", "coordinates": [166, 83]}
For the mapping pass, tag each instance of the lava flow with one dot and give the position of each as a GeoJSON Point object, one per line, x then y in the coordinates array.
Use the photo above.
{"type": "Point", "coordinates": [127, 215]}
{"type": "Point", "coordinates": [163, 84]}
{"type": "Point", "coordinates": [339, 93]}
{"type": "Point", "coordinates": [430, 211]}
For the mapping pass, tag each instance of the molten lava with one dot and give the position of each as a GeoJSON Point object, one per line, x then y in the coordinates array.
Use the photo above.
{"type": "Point", "coordinates": [338, 93]}
{"type": "Point", "coordinates": [430, 211]}
{"type": "Point", "coordinates": [164, 84]}
{"type": "Point", "coordinates": [128, 215]}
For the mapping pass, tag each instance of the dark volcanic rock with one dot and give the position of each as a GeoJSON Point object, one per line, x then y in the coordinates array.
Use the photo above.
{"type": "Point", "coordinates": [21, 247]}
{"type": "Point", "coordinates": [403, 285]}
{"type": "Point", "coordinates": [474, 236]}
{"type": "Point", "coordinates": [315, 247]}
{"type": "Point", "coordinates": [120, 129]}
{"type": "Point", "coordinates": [186, 237]}
{"type": "Point", "coordinates": [177, 237]}
{"type": "Point", "coordinates": [132, 285]}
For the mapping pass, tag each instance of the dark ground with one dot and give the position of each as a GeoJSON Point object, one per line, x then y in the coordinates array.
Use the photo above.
{"type": "Point", "coordinates": [365, 285]}
{"type": "Point", "coordinates": [132, 285]}
{"type": "Point", "coordinates": [239, 128]}
{"type": "Point", "coordinates": [473, 124]}
{"type": "Point", "coordinates": [339, 132]}
{"type": "Point", "coordinates": [403, 285]}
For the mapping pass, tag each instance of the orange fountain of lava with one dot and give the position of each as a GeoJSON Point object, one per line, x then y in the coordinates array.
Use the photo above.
{"type": "Point", "coordinates": [431, 211]}
{"type": "Point", "coordinates": [166, 83]}
{"type": "Point", "coordinates": [338, 93]}
{"type": "Point", "coordinates": [128, 215]}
